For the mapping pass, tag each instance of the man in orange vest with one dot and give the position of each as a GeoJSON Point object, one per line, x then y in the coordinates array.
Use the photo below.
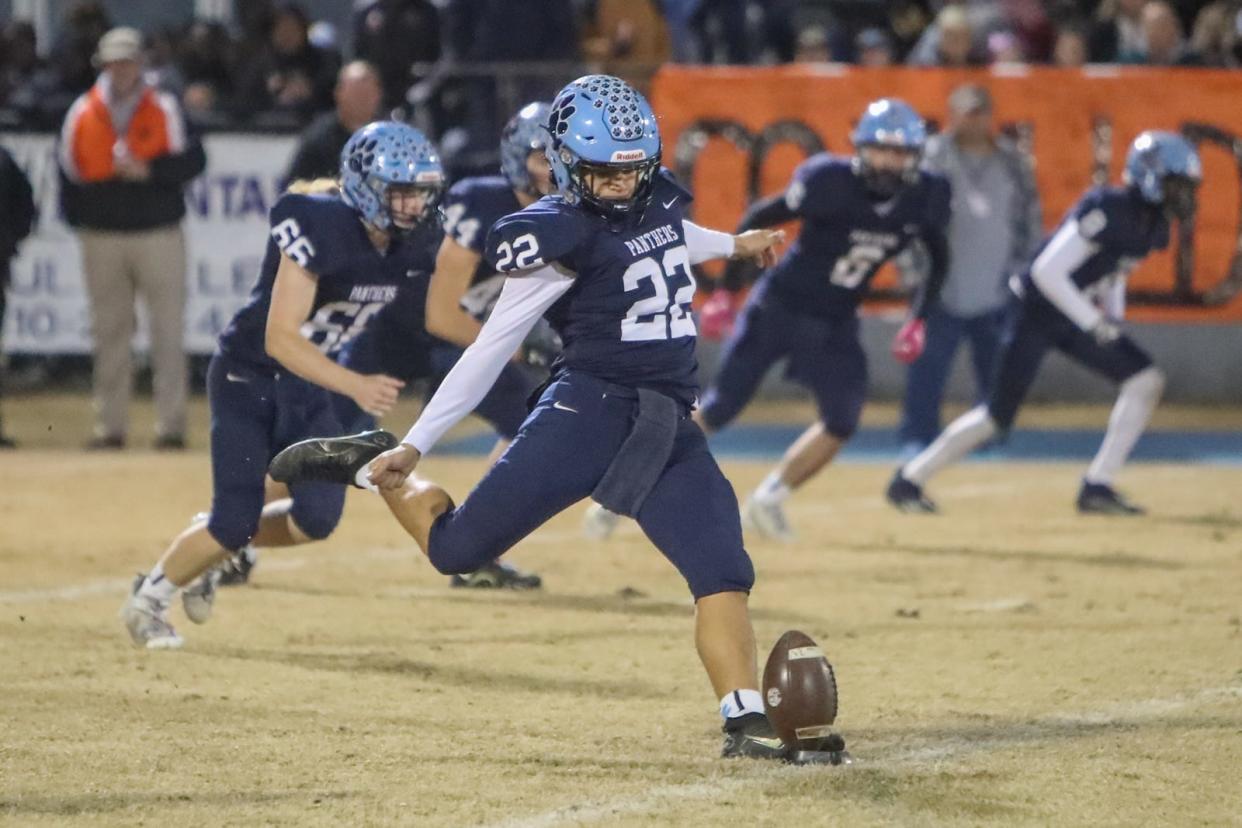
{"type": "Point", "coordinates": [125, 156]}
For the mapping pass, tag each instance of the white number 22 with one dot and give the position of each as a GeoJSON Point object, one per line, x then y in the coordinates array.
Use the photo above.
{"type": "Point", "coordinates": [526, 248]}
{"type": "Point", "coordinates": [655, 317]}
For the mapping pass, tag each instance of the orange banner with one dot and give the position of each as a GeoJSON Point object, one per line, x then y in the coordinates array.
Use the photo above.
{"type": "Point", "coordinates": [739, 131]}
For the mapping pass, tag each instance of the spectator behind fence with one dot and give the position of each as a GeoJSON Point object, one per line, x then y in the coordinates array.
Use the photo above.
{"type": "Point", "coordinates": [1070, 47]}
{"type": "Point", "coordinates": [358, 97]}
{"type": "Point", "coordinates": [392, 35]}
{"type": "Point", "coordinates": [17, 214]}
{"type": "Point", "coordinates": [206, 59]}
{"type": "Point", "coordinates": [873, 47]}
{"type": "Point", "coordinates": [126, 156]}
{"type": "Point", "coordinates": [1164, 39]}
{"type": "Point", "coordinates": [1118, 31]}
{"type": "Point", "coordinates": [996, 223]}
{"type": "Point", "coordinates": [288, 75]}
{"type": "Point", "coordinates": [950, 41]}
{"type": "Point", "coordinates": [1218, 33]}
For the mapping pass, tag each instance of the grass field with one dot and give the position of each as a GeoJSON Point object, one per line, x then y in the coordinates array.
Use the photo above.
{"type": "Point", "coordinates": [1008, 662]}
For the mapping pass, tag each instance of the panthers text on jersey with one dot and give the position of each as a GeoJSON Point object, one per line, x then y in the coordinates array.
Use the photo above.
{"type": "Point", "coordinates": [325, 236]}
{"type": "Point", "coordinates": [626, 319]}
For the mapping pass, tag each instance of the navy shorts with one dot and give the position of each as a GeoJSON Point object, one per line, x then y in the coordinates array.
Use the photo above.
{"type": "Point", "coordinates": [255, 414]}
{"type": "Point", "coordinates": [1029, 333]}
{"type": "Point", "coordinates": [558, 457]}
{"type": "Point", "coordinates": [825, 356]}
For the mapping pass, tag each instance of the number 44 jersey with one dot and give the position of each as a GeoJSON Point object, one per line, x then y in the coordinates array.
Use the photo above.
{"type": "Point", "coordinates": [846, 235]}
{"type": "Point", "coordinates": [353, 280]}
{"type": "Point", "coordinates": [626, 319]}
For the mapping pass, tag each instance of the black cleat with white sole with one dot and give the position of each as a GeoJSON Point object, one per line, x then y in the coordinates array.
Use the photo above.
{"type": "Point", "coordinates": [497, 575]}
{"type": "Point", "coordinates": [330, 459]}
{"type": "Point", "coordinates": [1102, 499]}
{"type": "Point", "coordinates": [751, 736]}
{"type": "Point", "coordinates": [907, 496]}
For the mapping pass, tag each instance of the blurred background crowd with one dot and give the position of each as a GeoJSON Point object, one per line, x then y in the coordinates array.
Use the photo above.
{"type": "Point", "coordinates": [264, 64]}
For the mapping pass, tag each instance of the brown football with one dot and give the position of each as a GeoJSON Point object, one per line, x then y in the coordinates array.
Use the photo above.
{"type": "Point", "coordinates": [800, 692]}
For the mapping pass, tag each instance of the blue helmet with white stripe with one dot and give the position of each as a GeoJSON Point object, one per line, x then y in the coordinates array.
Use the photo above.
{"type": "Point", "coordinates": [1164, 168]}
{"type": "Point", "coordinates": [526, 131]}
{"type": "Point", "coordinates": [892, 124]}
{"type": "Point", "coordinates": [601, 124]}
{"type": "Point", "coordinates": [386, 154]}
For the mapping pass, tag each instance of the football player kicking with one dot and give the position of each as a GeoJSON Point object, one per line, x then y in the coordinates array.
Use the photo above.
{"type": "Point", "coordinates": [1105, 235]}
{"type": "Point", "coordinates": [856, 213]}
{"type": "Point", "coordinates": [608, 261]}
{"type": "Point", "coordinates": [333, 260]}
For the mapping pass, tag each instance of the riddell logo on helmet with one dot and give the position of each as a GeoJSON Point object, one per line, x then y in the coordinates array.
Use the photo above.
{"type": "Point", "coordinates": [628, 155]}
{"type": "Point", "coordinates": [428, 176]}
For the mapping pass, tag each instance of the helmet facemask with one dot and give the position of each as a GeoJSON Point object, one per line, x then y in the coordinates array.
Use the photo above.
{"type": "Point", "coordinates": [586, 178]}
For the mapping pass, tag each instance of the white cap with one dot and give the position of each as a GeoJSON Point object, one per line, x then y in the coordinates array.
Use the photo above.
{"type": "Point", "coordinates": [122, 43]}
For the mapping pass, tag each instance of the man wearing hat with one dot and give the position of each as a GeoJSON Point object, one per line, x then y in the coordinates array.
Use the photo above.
{"type": "Point", "coordinates": [125, 156]}
{"type": "Point", "coordinates": [996, 225]}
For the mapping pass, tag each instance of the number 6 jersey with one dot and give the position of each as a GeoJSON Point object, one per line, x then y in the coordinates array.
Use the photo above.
{"type": "Point", "coordinates": [626, 319]}
{"type": "Point", "coordinates": [354, 280]}
{"type": "Point", "coordinates": [846, 235]}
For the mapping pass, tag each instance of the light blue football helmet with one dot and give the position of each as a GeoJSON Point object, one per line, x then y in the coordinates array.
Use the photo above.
{"type": "Point", "coordinates": [597, 122]}
{"type": "Point", "coordinates": [888, 122]}
{"type": "Point", "coordinates": [526, 131]}
{"type": "Point", "coordinates": [383, 154]}
{"type": "Point", "coordinates": [1164, 168]}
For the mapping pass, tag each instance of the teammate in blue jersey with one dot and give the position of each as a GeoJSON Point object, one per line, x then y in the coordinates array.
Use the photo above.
{"type": "Point", "coordinates": [856, 214]}
{"type": "Point", "coordinates": [422, 333]}
{"type": "Point", "coordinates": [607, 260]}
{"type": "Point", "coordinates": [333, 261]}
{"type": "Point", "coordinates": [1072, 299]}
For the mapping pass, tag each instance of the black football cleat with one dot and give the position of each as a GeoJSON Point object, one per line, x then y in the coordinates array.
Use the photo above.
{"type": "Point", "coordinates": [497, 575]}
{"type": "Point", "coordinates": [831, 751]}
{"type": "Point", "coordinates": [330, 459]}
{"type": "Point", "coordinates": [1102, 499]}
{"type": "Point", "coordinates": [751, 736]}
{"type": "Point", "coordinates": [236, 570]}
{"type": "Point", "coordinates": [907, 496]}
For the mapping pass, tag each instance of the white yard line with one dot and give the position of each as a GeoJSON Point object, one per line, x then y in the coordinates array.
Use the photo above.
{"type": "Point", "coordinates": [662, 797]}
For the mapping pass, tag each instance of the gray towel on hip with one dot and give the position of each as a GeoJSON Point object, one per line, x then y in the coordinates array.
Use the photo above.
{"type": "Point", "coordinates": [640, 461]}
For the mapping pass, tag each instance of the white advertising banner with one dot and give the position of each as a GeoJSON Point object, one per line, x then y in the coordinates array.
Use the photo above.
{"type": "Point", "coordinates": [226, 234]}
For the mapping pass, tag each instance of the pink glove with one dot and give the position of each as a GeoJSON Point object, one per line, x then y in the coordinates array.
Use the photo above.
{"type": "Point", "coordinates": [717, 315]}
{"type": "Point", "coordinates": [909, 342]}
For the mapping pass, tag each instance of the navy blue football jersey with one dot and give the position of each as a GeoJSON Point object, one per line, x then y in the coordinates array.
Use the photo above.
{"type": "Point", "coordinates": [846, 235]}
{"type": "Point", "coordinates": [471, 207]}
{"type": "Point", "coordinates": [354, 280]}
{"type": "Point", "coordinates": [1124, 228]}
{"type": "Point", "coordinates": [626, 319]}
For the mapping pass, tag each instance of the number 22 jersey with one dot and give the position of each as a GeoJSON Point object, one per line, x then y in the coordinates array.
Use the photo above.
{"type": "Point", "coordinates": [354, 280]}
{"type": "Point", "coordinates": [626, 319]}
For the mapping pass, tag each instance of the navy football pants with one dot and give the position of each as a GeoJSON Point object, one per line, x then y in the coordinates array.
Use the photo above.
{"type": "Point", "coordinates": [253, 416]}
{"type": "Point", "coordinates": [558, 457]}
{"type": "Point", "coordinates": [825, 356]}
{"type": "Point", "coordinates": [1030, 332]}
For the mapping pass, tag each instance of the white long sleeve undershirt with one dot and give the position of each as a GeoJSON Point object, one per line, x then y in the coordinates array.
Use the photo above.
{"type": "Point", "coordinates": [523, 300]}
{"type": "Point", "coordinates": [1065, 253]}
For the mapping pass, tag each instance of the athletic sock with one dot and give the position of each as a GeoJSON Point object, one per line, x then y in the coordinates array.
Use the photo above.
{"type": "Point", "coordinates": [740, 702]}
{"type": "Point", "coordinates": [1137, 399]}
{"type": "Point", "coordinates": [772, 489]}
{"type": "Point", "coordinates": [157, 586]}
{"type": "Point", "coordinates": [960, 437]}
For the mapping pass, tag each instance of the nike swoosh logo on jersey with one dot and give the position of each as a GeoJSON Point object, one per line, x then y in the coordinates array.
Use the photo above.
{"type": "Point", "coordinates": [231, 377]}
{"type": "Point", "coordinates": [668, 204]}
{"type": "Point", "coordinates": [560, 406]}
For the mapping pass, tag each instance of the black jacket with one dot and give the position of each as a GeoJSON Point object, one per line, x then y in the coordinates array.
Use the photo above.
{"type": "Point", "coordinates": [123, 205]}
{"type": "Point", "coordinates": [17, 207]}
{"type": "Point", "coordinates": [319, 149]}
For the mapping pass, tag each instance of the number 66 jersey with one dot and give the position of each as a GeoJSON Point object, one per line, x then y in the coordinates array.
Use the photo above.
{"type": "Point", "coordinates": [846, 235]}
{"type": "Point", "coordinates": [626, 319]}
{"type": "Point", "coordinates": [326, 236]}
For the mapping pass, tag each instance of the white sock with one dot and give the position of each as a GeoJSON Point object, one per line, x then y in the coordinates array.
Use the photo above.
{"type": "Point", "coordinates": [772, 489]}
{"type": "Point", "coordinates": [1137, 399]}
{"type": "Point", "coordinates": [741, 702]}
{"type": "Point", "coordinates": [360, 479]}
{"type": "Point", "coordinates": [961, 437]}
{"type": "Point", "coordinates": [157, 586]}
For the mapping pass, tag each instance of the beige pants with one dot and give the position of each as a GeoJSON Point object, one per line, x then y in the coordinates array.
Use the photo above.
{"type": "Point", "coordinates": [120, 266]}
